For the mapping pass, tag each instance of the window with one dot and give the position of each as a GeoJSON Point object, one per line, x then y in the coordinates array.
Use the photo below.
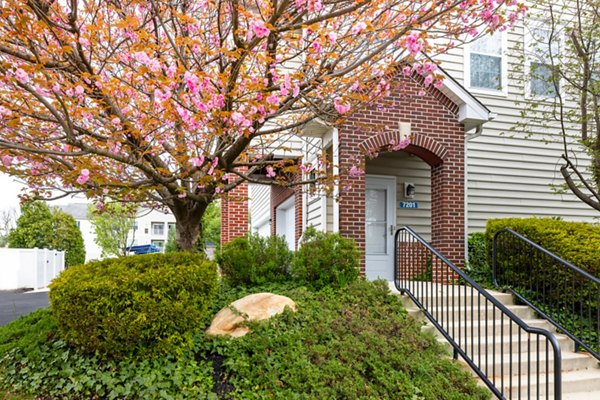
{"type": "Point", "coordinates": [158, 228]}
{"type": "Point", "coordinates": [486, 64]}
{"type": "Point", "coordinates": [171, 226]}
{"type": "Point", "coordinates": [540, 45]}
{"type": "Point", "coordinates": [159, 243]}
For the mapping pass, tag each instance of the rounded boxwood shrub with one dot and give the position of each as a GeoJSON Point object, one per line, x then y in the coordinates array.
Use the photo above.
{"type": "Point", "coordinates": [255, 260]}
{"type": "Point", "coordinates": [144, 304]}
{"type": "Point", "coordinates": [326, 259]}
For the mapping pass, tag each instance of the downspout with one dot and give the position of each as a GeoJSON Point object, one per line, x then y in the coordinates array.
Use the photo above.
{"type": "Point", "coordinates": [336, 171]}
{"type": "Point", "coordinates": [468, 137]}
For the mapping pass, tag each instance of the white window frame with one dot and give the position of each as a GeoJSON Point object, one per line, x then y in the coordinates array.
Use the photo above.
{"type": "Point", "coordinates": [503, 91]}
{"type": "Point", "coordinates": [157, 224]}
{"type": "Point", "coordinates": [527, 44]}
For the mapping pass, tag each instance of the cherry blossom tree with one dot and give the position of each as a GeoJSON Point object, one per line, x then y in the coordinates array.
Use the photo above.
{"type": "Point", "coordinates": [174, 103]}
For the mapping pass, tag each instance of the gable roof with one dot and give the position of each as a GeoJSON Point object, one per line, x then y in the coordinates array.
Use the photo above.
{"type": "Point", "coordinates": [472, 113]}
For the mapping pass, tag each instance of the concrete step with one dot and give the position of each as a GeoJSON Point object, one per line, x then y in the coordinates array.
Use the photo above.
{"type": "Point", "coordinates": [464, 299]}
{"type": "Point", "coordinates": [487, 328]}
{"type": "Point", "coordinates": [499, 365]}
{"type": "Point", "coordinates": [474, 344]}
{"type": "Point", "coordinates": [456, 315]}
{"type": "Point", "coordinates": [574, 383]}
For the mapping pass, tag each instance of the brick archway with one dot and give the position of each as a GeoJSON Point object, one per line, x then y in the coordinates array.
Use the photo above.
{"type": "Point", "coordinates": [426, 148]}
{"type": "Point", "coordinates": [436, 137]}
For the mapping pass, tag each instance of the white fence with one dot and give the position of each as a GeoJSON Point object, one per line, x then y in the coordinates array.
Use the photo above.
{"type": "Point", "coordinates": [29, 268]}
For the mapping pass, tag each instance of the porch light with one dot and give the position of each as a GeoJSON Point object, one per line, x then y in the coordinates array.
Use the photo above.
{"type": "Point", "coordinates": [409, 190]}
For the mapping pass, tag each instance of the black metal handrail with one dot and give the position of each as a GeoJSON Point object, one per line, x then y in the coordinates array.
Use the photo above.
{"type": "Point", "coordinates": [559, 291]}
{"type": "Point", "coordinates": [462, 312]}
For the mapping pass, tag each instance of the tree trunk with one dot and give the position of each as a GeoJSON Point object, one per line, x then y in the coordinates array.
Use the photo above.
{"type": "Point", "coordinates": [188, 223]}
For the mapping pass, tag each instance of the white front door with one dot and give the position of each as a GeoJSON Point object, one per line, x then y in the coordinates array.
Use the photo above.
{"type": "Point", "coordinates": [380, 221]}
{"type": "Point", "coordinates": [286, 222]}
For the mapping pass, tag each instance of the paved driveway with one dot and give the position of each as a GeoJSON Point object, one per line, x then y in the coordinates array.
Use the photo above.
{"type": "Point", "coordinates": [14, 303]}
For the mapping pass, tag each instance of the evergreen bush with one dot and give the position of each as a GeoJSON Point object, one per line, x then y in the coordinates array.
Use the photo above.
{"type": "Point", "coordinates": [326, 259]}
{"type": "Point", "coordinates": [255, 260]}
{"type": "Point", "coordinates": [145, 304]}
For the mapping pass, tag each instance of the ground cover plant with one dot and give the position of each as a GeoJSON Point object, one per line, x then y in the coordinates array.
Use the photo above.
{"type": "Point", "coordinates": [354, 342]}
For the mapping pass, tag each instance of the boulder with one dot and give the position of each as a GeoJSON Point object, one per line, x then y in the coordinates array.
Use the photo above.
{"type": "Point", "coordinates": [255, 307]}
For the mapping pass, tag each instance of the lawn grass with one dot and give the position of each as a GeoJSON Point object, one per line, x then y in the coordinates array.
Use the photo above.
{"type": "Point", "coordinates": [348, 343]}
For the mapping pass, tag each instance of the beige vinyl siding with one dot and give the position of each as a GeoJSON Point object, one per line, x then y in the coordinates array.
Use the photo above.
{"type": "Point", "coordinates": [408, 168]}
{"type": "Point", "coordinates": [510, 174]}
{"type": "Point", "coordinates": [314, 212]}
{"type": "Point", "coordinates": [259, 204]}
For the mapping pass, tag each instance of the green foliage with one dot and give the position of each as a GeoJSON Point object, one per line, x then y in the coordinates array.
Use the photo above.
{"type": "Point", "coordinates": [326, 259]}
{"type": "Point", "coordinates": [114, 228]}
{"type": "Point", "coordinates": [255, 260]}
{"type": "Point", "coordinates": [145, 304]}
{"type": "Point", "coordinates": [478, 267]}
{"type": "Point", "coordinates": [34, 227]}
{"type": "Point", "coordinates": [568, 302]}
{"type": "Point", "coordinates": [28, 333]}
{"type": "Point", "coordinates": [171, 246]}
{"type": "Point", "coordinates": [60, 372]}
{"type": "Point", "coordinates": [576, 242]}
{"type": "Point", "coordinates": [39, 226]}
{"type": "Point", "coordinates": [211, 224]}
{"type": "Point", "coordinates": [353, 343]}
{"type": "Point", "coordinates": [67, 237]}
{"type": "Point", "coordinates": [350, 343]}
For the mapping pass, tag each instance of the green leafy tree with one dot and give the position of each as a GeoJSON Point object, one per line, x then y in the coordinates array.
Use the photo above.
{"type": "Point", "coordinates": [39, 226]}
{"type": "Point", "coordinates": [67, 236]}
{"type": "Point", "coordinates": [114, 228]}
{"type": "Point", "coordinates": [34, 227]}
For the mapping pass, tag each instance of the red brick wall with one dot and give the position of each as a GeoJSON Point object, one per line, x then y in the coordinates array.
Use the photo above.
{"type": "Point", "coordinates": [234, 213]}
{"type": "Point", "coordinates": [437, 138]}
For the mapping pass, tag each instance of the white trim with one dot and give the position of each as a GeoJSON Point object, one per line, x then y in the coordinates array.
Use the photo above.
{"type": "Point", "coordinates": [336, 171]}
{"type": "Point", "coordinates": [503, 70]}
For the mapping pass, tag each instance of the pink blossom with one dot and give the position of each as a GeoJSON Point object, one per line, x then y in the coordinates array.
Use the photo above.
{"type": "Point", "coordinates": [181, 195]}
{"type": "Point", "coordinates": [359, 27]}
{"type": "Point", "coordinates": [270, 172]}
{"type": "Point", "coordinates": [259, 28]}
{"type": "Point", "coordinates": [115, 121]}
{"type": "Point", "coordinates": [341, 108]}
{"type": "Point", "coordinates": [406, 70]}
{"type": "Point", "coordinates": [218, 189]}
{"type": "Point", "coordinates": [192, 82]}
{"type": "Point", "coordinates": [421, 93]}
{"type": "Point", "coordinates": [402, 144]}
{"type": "Point", "coordinates": [22, 76]}
{"type": "Point", "coordinates": [428, 80]}
{"type": "Point", "coordinates": [5, 112]}
{"type": "Point", "coordinates": [197, 161]}
{"type": "Point", "coordinates": [413, 43]}
{"type": "Point", "coordinates": [141, 57]}
{"type": "Point", "coordinates": [296, 91]}
{"type": "Point", "coordinates": [355, 172]}
{"type": "Point", "coordinates": [332, 37]}
{"type": "Point", "coordinates": [273, 99]}
{"type": "Point", "coordinates": [438, 84]}
{"type": "Point", "coordinates": [7, 160]}
{"type": "Point", "coordinates": [83, 177]}
{"type": "Point", "coordinates": [317, 47]}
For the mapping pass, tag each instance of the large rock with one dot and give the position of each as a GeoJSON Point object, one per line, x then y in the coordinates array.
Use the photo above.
{"type": "Point", "coordinates": [255, 307]}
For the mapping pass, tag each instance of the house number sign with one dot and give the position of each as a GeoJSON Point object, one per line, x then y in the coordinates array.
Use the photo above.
{"type": "Point", "coordinates": [409, 204]}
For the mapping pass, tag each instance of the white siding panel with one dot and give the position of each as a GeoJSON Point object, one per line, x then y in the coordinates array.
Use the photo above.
{"type": "Point", "coordinates": [511, 173]}
{"type": "Point", "coordinates": [259, 204]}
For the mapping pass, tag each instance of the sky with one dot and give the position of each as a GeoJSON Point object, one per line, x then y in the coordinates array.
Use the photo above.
{"type": "Point", "coordinates": [10, 189]}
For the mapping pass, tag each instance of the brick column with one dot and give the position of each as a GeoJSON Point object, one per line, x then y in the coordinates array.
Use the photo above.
{"type": "Point", "coordinates": [234, 213]}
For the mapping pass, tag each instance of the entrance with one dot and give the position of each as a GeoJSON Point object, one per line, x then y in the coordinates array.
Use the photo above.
{"type": "Point", "coordinates": [380, 221]}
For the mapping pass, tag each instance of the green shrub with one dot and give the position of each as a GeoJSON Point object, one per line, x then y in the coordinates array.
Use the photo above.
{"type": "Point", "coordinates": [352, 343]}
{"type": "Point", "coordinates": [478, 267]}
{"type": "Point", "coordinates": [326, 259]}
{"type": "Point", "coordinates": [28, 333]}
{"type": "Point", "coordinates": [255, 260]}
{"type": "Point", "coordinates": [545, 283]}
{"type": "Point", "coordinates": [145, 304]}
